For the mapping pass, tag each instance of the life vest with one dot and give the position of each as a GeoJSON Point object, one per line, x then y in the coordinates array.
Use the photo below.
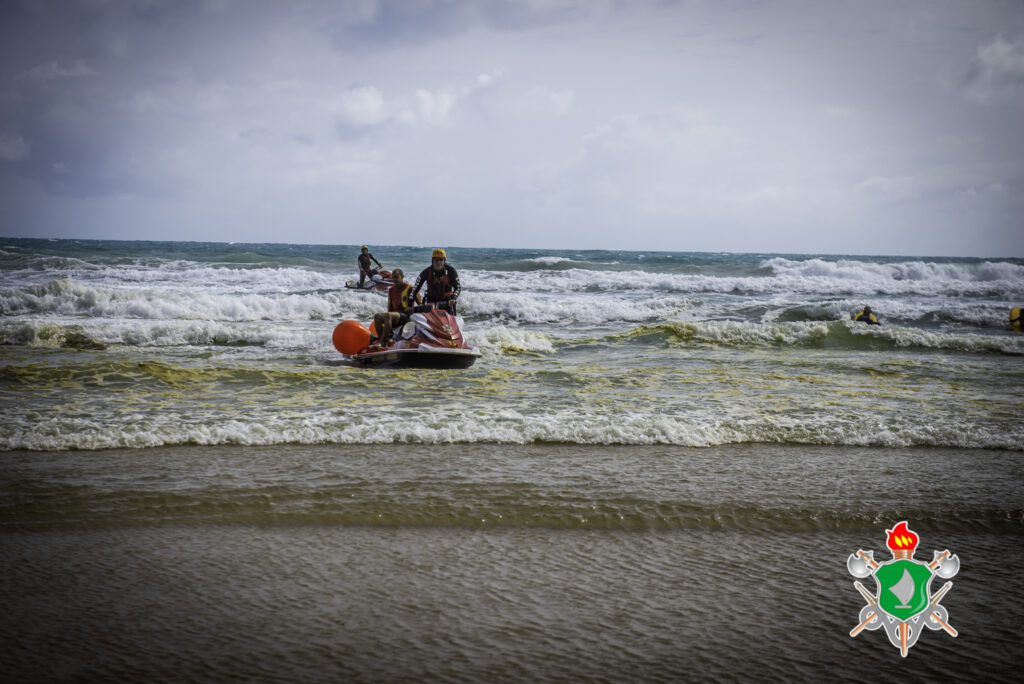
{"type": "Point", "coordinates": [364, 261]}
{"type": "Point", "coordinates": [399, 298]}
{"type": "Point", "coordinates": [866, 318]}
{"type": "Point", "coordinates": [439, 287]}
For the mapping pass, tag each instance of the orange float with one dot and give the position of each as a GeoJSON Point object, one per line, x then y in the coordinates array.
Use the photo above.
{"type": "Point", "coordinates": [350, 337]}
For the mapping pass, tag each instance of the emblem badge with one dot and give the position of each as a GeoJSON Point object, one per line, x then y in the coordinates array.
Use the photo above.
{"type": "Point", "coordinates": [903, 603]}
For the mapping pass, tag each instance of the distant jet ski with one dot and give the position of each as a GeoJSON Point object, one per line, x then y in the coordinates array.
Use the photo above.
{"type": "Point", "coordinates": [378, 282]}
{"type": "Point", "coordinates": [432, 339]}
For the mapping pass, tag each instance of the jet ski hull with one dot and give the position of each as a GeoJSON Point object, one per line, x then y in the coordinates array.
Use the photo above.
{"type": "Point", "coordinates": [423, 356]}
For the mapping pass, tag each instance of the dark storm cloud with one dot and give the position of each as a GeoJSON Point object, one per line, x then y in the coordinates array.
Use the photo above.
{"type": "Point", "coordinates": [62, 74]}
{"type": "Point", "coordinates": [75, 79]}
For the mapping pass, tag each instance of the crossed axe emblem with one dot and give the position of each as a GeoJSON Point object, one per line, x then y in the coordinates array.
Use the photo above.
{"type": "Point", "coordinates": [903, 633]}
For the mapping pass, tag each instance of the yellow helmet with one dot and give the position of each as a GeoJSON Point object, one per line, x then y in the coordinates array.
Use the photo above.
{"type": "Point", "coordinates": [364, 247]}
{"type": "Point", "coordinates": [439, 254]}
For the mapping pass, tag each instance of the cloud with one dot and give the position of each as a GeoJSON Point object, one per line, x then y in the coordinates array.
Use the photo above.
{"type": "Point", "coordinates": [485, 79]}
{"type": "Point", "coordinates": [13, 148]}
{"type": "Point", "coordinates": [434, 106]}
{"type": "Point", "coordinates": [382, 24]}
{"type": "Point", "coordinates": [998, 71]}
{"type": "Point", "coordinates": [389, 24]}
{"type": "Point", "coordinates": [538, 117]}
{"type": "Point", "coordinates": [1003, 60]}
{"type": "Point", "coordinates": [543, 100]}
{"type": "Point", "coordinates": [670, 132]}
{"type": "Point", "coordinates": [893, 188]}
{"type": "Point", "coordinates": [54, 70]}
{"type": "Point", "coordinates": [656, 167]}
{"type": "Point", "coordinates": [363, 106]}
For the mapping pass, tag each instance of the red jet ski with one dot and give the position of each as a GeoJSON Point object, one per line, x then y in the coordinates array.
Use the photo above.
{"type": "Point", "coordinates": [431, 339]}
{"type": "Point", "coordinates": [377, 282]}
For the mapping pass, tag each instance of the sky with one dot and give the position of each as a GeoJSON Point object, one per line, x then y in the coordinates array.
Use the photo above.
{"type": "Point", "coordinates": [870, 127]}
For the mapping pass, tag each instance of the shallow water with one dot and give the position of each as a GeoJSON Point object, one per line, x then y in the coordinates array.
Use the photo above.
{"type": "Point", "coordinates": [484, 486]}
{"type": "Point", "coordinates": [507, 563]}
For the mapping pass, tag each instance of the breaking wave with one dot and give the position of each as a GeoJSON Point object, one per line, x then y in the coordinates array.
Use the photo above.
{"type": "Point", "coordinates": [836, 334]}
{"type": "Point", "coordinates": [508, 426]}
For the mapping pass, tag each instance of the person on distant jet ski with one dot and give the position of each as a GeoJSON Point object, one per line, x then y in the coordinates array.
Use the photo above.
{"type": "Point", "coordinates": [443, 287]}
{"type": "Point", "coordinates": [400, 305]}
{"type": "Point", "coordinates": [866, 316]}
{"type": "Point", "coordinates": [364, 264]}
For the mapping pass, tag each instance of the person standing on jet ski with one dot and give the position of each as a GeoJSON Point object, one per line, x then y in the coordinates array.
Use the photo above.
{"type": "Point", "coordinates": [400, 305]}
{"type": "Point", "coordinates": [443, 287]}
{"type": "Point", "coordinates": [364, 264]}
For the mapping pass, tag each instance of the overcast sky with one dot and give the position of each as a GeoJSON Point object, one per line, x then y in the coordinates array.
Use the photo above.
{"type": "Point", "coordinates": [888, 127]}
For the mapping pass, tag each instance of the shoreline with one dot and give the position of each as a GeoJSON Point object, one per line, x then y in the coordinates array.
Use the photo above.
{"type": "Point", "coordinates": [494, 486]}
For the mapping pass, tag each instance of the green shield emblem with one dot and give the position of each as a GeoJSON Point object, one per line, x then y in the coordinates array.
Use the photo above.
{"type": "Point", "coordinates": [903, 588]}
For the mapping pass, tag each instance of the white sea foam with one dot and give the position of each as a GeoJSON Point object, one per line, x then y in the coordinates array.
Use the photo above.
{"type": "Point", "coordinates": [177, 275]}
{"type": "Point", "coordinates": [839, 334]}
{"type": "Point", "coordinates": [56, 432]}
{"type": "Point", "coordinates": [513, 340]}
{"type": "Point", "coordinates": [814, 276]}
{"type": "Point", "coordinates": [735, 333]}
{"type": "Point", "coordinates": [901, 277]}
{"type": "Point", "coordinates": [550, 260]}
{"type": "Point", "coordinates": [72, 298]}
{"type": "Point", "coordinates": [58, 333]}
{"type": "Point", "coordinates": [570, 307]}
{"type": "Point", "coordinates": [962, 342]}
{"type": "Point", "coordinates": [909, 292]}
{"type": "Point", "coordinates": [314, 335]}
{"type": "Point", "coordinates": [589, 281]}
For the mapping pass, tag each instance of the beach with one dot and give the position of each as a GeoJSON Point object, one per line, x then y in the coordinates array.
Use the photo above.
{"type": "Point", "coordinates": [656, 471]}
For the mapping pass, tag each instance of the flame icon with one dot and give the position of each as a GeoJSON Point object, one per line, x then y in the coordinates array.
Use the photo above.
{"type": "Point", "coordinates": [902, 539]}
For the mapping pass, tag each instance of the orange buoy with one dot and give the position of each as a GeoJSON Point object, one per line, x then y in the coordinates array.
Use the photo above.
{"type": "Point", "coordinates": [350, 337]}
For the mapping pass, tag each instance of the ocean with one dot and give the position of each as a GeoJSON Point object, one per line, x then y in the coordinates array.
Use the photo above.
{"type": "Point", "coordinates": [655, 472]}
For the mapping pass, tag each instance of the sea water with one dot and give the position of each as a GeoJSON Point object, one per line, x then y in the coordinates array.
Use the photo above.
{"type": "Point", "coordinates": [655, 472]}
{"type": "Point", "coordinates": [124, 344]}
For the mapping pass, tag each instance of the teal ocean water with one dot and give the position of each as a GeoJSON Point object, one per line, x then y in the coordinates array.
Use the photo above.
{"type": "Point", "coordinates": [655, 472]}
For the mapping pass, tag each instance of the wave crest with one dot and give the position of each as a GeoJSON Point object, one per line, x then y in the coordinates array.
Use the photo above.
{"type": "Point", "coordinates": [837, 334]}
